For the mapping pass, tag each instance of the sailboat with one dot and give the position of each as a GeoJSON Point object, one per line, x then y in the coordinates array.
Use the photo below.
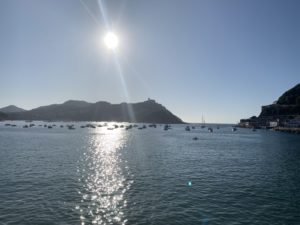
{"type": "Point", "coordinates": [203, 123]}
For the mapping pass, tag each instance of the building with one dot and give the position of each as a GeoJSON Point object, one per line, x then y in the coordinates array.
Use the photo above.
{"type": "Point", "coordinates": [295, 123]}
{"type": "Point", "coordinates": [273, 124]}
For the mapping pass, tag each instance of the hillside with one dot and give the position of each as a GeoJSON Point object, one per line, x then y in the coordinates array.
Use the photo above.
{"type": "Point", "coordinates": [11, 109]}
{"type": "Point", "coordinates": [291, 97]}
{"type": "Point", "coordinates": [148, 112]}
{"type": "Point", "coordinates": [3, 116]}
{"type": "Point", "coordinates": [283, 112]}
{"type": "Point", "coordinates": [287, 105]}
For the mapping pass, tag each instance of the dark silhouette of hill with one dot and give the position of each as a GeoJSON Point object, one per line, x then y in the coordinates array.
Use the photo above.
{"type": "Point", "coordinates": [11, 109]}
{"type": "Point", "coordinates": [291, 97]}
{"type": "Point", "coordinates": [147, 112]}
{"type": "Point", "coordinates": [287, 104]}
{"type": "Point", "coordinates": [3, 116]}
{"type": "Point", "coordinates": [286, 108]}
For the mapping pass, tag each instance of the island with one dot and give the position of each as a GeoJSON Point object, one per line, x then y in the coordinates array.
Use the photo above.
{"type": "Point", "coordinates": [148, 111]}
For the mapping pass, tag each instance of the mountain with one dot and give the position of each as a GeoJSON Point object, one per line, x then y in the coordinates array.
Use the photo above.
{"type": "Point", "coordinates": [287, 105]}
{"type": "Point", "coordinates": [291, 97]}
{"type": "Point", "coordinates": [147, 112]}
{"type": "Point", "coordinates": [3, 116]}
{"type": "Point", "coordinates": [11, 109]}
{"type": "Point", "coordinates": [282, 112]}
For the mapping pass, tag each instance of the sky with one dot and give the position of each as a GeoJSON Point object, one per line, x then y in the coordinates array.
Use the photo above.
{"type": "Point", "coordinates": [221, 59]}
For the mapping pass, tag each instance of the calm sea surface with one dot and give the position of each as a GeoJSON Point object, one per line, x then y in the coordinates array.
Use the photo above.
{"type": "Point", "coordinates": [149, 176]}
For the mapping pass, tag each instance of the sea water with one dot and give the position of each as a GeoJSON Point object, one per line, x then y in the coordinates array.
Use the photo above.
{"type": "Point", "coordinates": [148, 176]}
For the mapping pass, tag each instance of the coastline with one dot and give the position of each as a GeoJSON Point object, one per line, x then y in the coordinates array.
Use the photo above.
{"type": "Point", "coordinates": [294, 130]}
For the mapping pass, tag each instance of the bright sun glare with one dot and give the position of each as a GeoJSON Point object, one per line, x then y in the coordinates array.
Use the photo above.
{"type": "Point", "coordinates": [111, 40]}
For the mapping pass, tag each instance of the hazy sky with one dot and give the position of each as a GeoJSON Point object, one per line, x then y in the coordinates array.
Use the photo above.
{"type": "Point", "coordinates": [220, 58]}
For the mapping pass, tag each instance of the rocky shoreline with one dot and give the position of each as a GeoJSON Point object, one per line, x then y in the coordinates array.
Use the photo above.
{"type": "Point", "coordinates": [295, 130]}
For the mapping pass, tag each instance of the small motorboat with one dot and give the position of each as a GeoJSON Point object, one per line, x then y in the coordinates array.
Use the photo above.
{"type": "Point", "coordinates": [71, 127]}
{"type": "Point", "coordinates": [210, 130]}
{"type": "Point", "coordinates": [234, 129]}
{"type": "Point", "coordinates": [166, 127]}
{"type": "Point", "coordinates": [187, 128]}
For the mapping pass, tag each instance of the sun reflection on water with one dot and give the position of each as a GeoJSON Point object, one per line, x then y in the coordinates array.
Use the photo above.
{"type": "Point", "coordinates": [104, 176]}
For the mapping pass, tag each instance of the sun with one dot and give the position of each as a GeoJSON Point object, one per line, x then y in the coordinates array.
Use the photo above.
{"type": "Point", "coordinates": [111, 40]}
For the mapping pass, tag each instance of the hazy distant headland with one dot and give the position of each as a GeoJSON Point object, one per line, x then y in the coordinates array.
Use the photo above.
{"type": "Point", "coordinates": [145, 112]}
{"type": "Point", "coordinates": [11, 109]}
